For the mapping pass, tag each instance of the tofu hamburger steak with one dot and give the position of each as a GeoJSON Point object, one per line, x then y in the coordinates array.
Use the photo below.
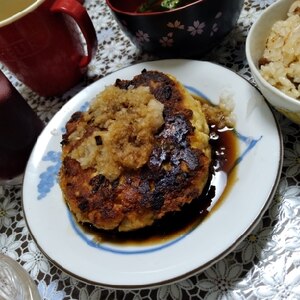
{"type": "Point", "coordinates": [140, 152]}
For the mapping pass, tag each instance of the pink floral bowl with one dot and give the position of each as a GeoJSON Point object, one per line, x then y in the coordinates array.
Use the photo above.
{"type": "Point", "coordinates": [187, 31]}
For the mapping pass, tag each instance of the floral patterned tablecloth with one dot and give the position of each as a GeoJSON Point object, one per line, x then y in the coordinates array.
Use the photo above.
{"type": "Point", "coordinates": [265, 265]}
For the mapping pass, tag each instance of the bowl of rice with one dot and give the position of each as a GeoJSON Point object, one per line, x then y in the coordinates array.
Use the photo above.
{"type": "Point", "coordinates": [273, 54]}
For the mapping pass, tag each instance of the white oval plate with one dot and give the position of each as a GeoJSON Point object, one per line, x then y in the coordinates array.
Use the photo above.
{"type": "Point", "coordinates": [258, 173]}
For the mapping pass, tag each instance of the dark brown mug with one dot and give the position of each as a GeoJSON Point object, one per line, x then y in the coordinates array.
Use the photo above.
{"type": "Point", "coordinates": [19, 129]}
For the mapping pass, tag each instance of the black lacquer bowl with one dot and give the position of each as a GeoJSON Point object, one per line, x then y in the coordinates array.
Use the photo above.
{"type": "Point", "coordinates": [187, 31]}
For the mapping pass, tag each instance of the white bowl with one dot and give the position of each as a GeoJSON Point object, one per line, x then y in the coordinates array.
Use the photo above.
{"type": "Point", "coordinates": [255, 44]}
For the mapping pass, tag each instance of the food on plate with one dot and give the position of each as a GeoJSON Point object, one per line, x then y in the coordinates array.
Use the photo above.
{"type": "Point", "coordinates": [140, 152]}
{"type": "Point", "coordinates": [280, 63]}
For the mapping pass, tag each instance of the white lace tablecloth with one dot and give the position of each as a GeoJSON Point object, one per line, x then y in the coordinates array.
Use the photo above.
{"type": "Point", "coordinates": [265, 265]}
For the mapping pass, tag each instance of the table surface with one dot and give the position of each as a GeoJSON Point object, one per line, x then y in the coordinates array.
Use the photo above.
{"type": "Point", "coordinates": [265, 265]}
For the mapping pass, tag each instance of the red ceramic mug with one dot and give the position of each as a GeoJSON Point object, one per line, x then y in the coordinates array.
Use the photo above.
{"type": "Point", "coordinates": [41, 45]}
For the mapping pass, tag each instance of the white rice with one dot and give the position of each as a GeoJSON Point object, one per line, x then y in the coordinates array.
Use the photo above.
{"type": "Point", "coordinates": [281, 57]}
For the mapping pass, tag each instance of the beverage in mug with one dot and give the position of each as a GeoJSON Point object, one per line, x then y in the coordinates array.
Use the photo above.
{"type": "Point", "coordinates": [19, 129]}
{"type": "Point", "coordinates": [40, 43]}
{"type": "Point", "coordinates": [12, 7]}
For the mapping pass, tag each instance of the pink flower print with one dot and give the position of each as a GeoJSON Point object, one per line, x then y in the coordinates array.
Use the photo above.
{"type": "Point", "coordinates": [197, 28]}
{"type": "Point", "coordinates": [142, 36]}
{"type": "Point", "coordinates": [214, 29]}
{"type": "Point", "coordinates": [177, 24]}
{"type": "Point", "coordinates": [218, 15]}
{"type": "Point", "coordinates": [167, 41]}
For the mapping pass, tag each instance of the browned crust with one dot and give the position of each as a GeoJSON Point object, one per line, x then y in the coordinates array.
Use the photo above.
{"type": "Point", "coordinates": [174, 175]}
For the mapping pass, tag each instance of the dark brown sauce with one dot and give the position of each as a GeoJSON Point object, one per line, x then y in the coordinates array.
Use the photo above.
{"type": "Point", "coordinates": [224, 155]}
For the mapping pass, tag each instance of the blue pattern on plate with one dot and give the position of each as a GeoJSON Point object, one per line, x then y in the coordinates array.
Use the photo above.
{"type": "Point", "coordinates": [100, 246]}
{"type": "Point", "coordinates": [84, 106]}
{"type": "Point", "coordinates": [250, 144]}
{"type": "Point", "coordinates": [197, 92]}
{"type": "Point", "coordinates": [49, 177]}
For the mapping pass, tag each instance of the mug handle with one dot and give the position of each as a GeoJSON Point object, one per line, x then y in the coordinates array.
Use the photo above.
{"type": "Point", "coordinates": [74, 9]}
